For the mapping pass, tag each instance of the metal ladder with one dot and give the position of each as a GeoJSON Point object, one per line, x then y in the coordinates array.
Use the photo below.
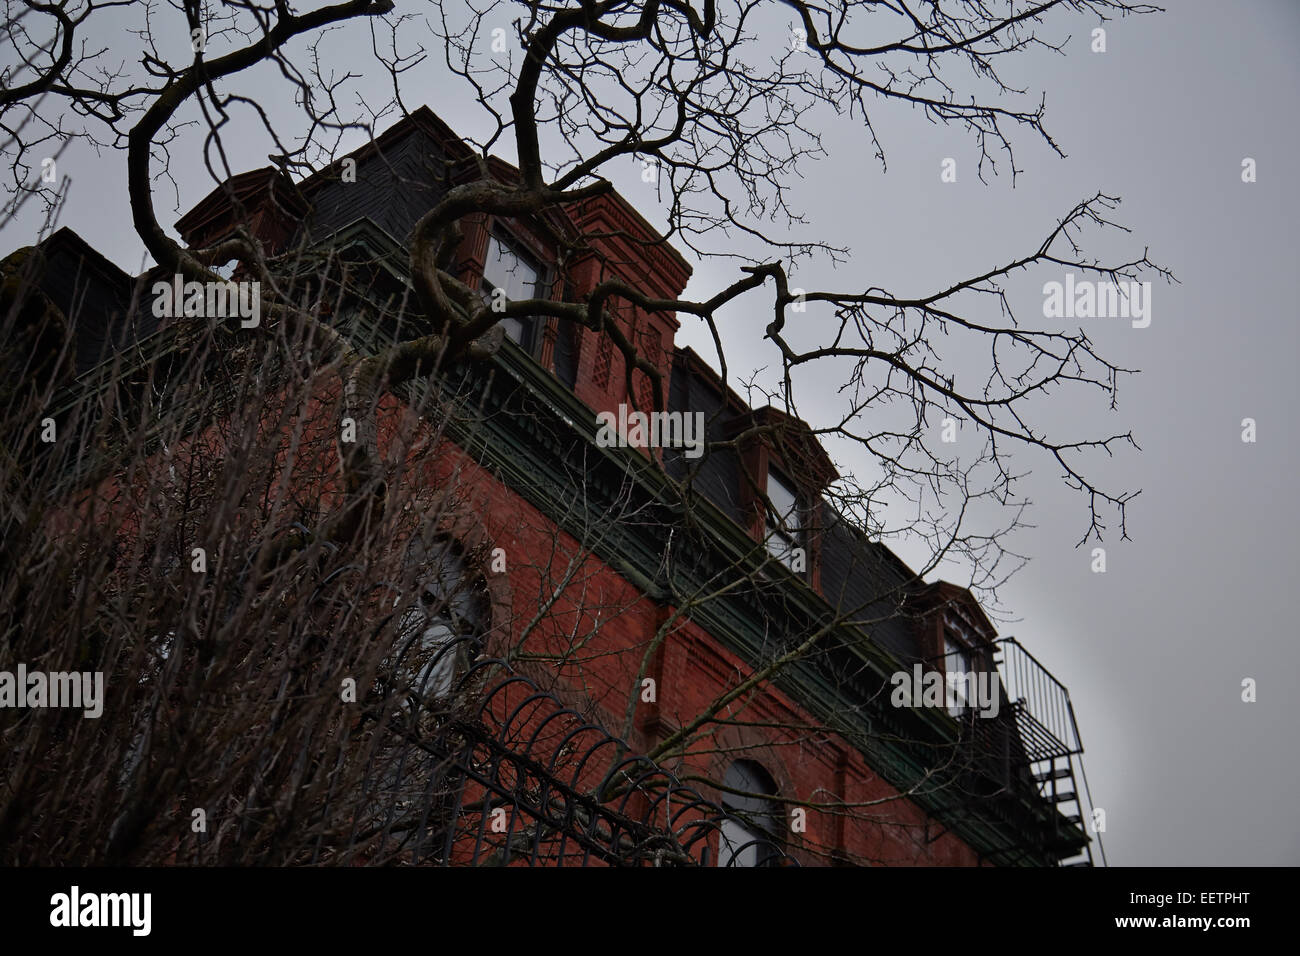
{"type": "Point", "coordinates": [1058, 786]}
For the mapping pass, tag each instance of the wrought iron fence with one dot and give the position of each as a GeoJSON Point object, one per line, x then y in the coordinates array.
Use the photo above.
{"type": "Point", "coordinates": [506, 774]}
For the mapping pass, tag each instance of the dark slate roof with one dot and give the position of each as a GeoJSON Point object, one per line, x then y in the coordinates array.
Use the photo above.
{"type": "Point", "coordinates": [399, 177]}
{"type": "Point", "coordinates": [855, 571]}
{"type": "Point", "coordinates": [95, 296]}
{"type": "Point", "coordinates": [718, 478]}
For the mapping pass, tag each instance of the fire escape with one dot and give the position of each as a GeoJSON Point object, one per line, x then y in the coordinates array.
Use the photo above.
{"type": "Point", "coordinates": [1029, 752]}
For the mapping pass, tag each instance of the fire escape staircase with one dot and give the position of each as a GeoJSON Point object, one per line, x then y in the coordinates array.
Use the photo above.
{"type": "Point", "coordinates": [1032, 746]}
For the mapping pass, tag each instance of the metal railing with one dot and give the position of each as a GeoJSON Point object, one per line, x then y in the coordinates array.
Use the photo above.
{"type": "Point", "coordinates": [1045, 714]}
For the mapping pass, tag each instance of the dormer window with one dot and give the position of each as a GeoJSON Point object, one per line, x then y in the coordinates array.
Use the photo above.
{"type": "Point", "coordinates": [957, 667]}
{"type": "Point", "coordinates": [785, 515]}
{"type": "Point", "coordinates": [511, 272]}
{"type": "Point", "coordinates": [784, 523]}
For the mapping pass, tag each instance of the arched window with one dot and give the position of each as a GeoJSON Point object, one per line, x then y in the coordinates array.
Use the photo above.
{"type": "Point", "coordinates": [747, 836]}
{"type": "Point", "coordinates": [441, 617]}
{"type": "Point", "coordinates": [441, 622]}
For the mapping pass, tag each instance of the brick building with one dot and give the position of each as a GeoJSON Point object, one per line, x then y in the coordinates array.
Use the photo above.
{"type": "Point", "coordinates": [700, 567]}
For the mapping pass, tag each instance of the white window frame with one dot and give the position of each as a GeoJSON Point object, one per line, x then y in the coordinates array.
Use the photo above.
{"type": "Point", "coordinates": [784, 532]}
{"type": "Point", "coordinates": [517, 329]}
{"type": "Point", "coordinates": [957, 658]}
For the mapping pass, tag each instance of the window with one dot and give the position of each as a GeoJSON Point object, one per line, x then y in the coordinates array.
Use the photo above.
{"type": "Point", "coordinates": [746, 837]}
{"type": "Point", "coordinates": [518, 276]}
{"type": "Point", "coordinates": [957, 666]}
{"type": "Point", "coordinates": [440, 624]}
{"type": "Point", "coordinates": [784, 524]}
{"type": "Point", "coordinates": [409, 790]}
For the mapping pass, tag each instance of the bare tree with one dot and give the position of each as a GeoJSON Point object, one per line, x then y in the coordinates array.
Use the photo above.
{"type": "Point", "coordinates": [723, 100]}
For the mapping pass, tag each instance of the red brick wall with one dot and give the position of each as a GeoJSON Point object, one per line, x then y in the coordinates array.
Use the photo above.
{"type": "Point", "coordinates": [691, 671]}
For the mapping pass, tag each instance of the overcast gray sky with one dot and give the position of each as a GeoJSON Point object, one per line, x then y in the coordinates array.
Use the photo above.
{"type": "Point", "coordinates": [1154, 651]}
